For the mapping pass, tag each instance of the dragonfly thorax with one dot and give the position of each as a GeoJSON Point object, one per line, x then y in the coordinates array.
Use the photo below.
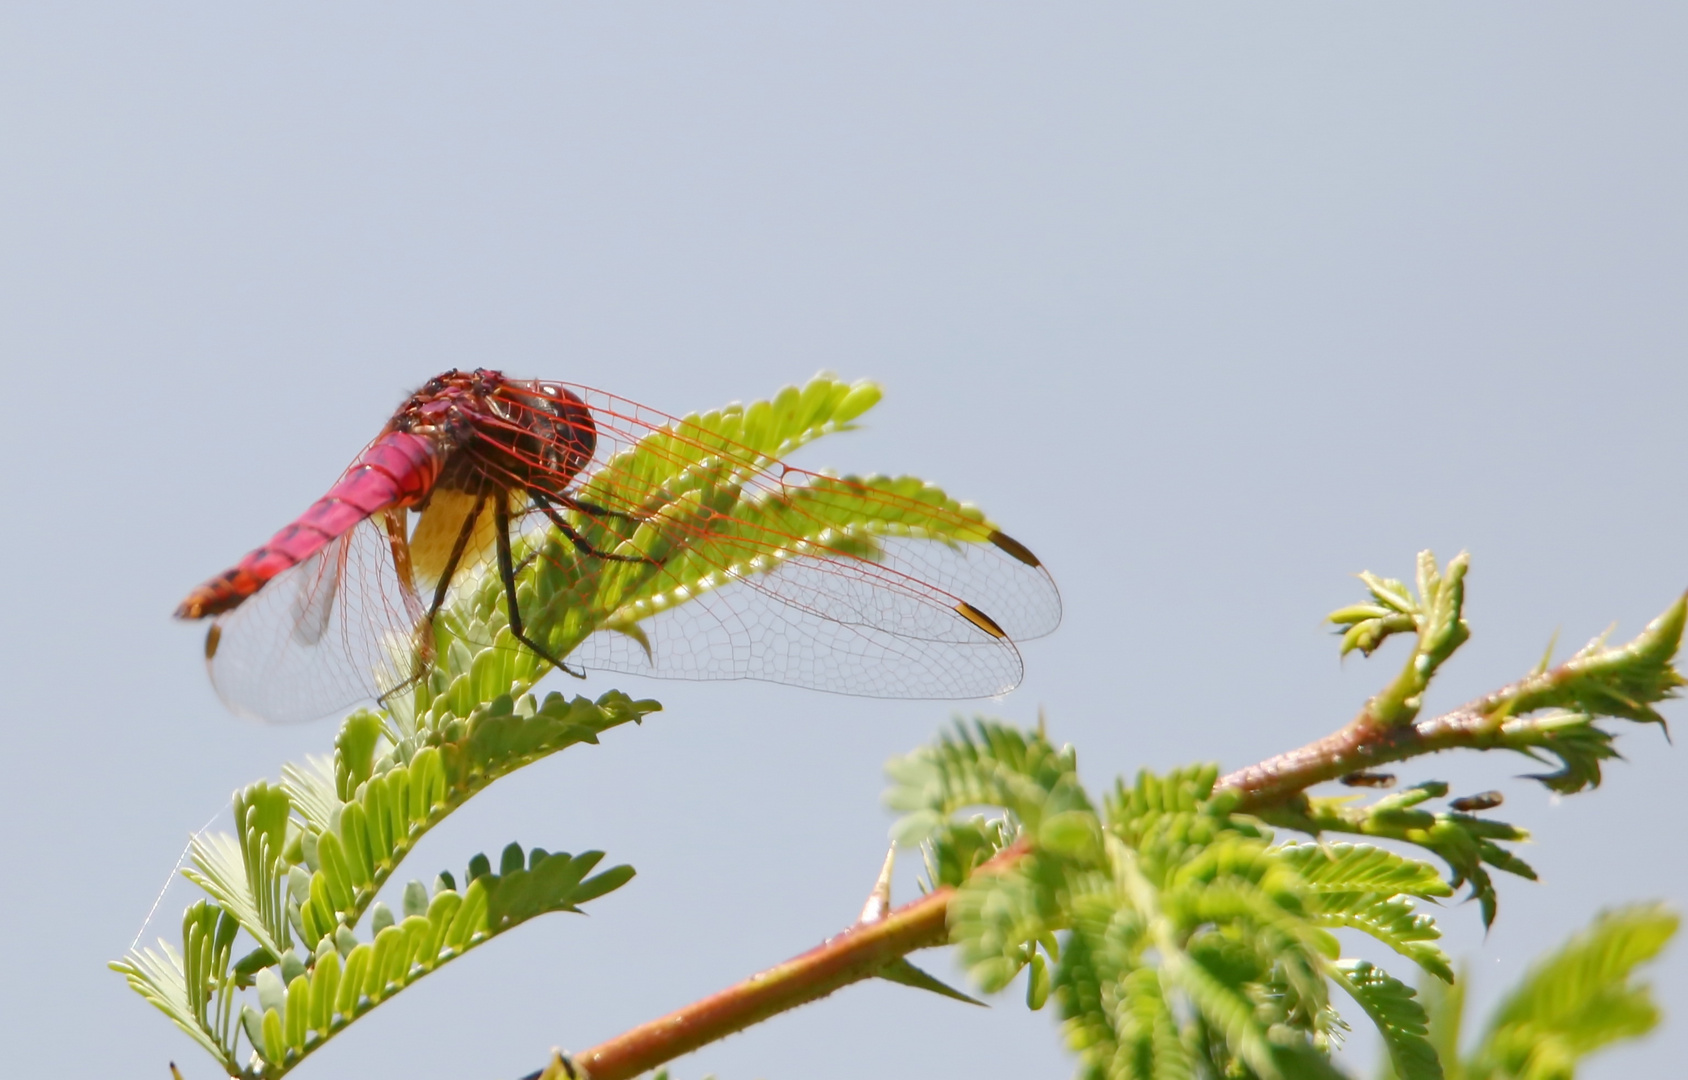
{"type": "Point", "coordinates": [494, 433]}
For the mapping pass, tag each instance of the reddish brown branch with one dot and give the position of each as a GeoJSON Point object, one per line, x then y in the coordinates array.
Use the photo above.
{"type": "Point", "coordinates": [856, 954]}
{"type": "Point", "coordinates": [850, 957]}
{"type": "Point", "coordinates": [861, 951]}
{"type": "Point", "coordinates": [1363, 744]}
{"type": "Point", "coordinates": [1483, 724]}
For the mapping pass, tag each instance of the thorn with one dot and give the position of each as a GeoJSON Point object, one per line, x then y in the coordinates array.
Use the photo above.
{"type": "Point", "coordinates": [901, 971]}
{"type": "Point", "coordinates": [175, 1073]}
{"type": "Point", "coordinates": [1042, 724]}
{"type": "Point", "coordinates": [879, 900]}
{"type": "Point", "coordinates": [560, 1067]}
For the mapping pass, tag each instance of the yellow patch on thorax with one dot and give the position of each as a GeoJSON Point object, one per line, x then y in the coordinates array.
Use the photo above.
{"type": "Point", "coordinates": [437, 532]}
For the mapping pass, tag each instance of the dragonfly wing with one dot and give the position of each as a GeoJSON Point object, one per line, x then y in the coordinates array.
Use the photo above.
{"type": "Point", "coordinates": [738, 565]}
{"type": "Point", "coordinates": [841, 624]}
{"type": "Point", "coordinates": [878, 586]}
{"type": "Point", "coordinates": [338, 628]}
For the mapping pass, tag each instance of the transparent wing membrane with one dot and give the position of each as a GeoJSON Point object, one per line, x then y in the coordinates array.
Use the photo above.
{"type": "Point", "coordinates": [808, 624]}
{"type": "Point", "coordinates": [336, 629]}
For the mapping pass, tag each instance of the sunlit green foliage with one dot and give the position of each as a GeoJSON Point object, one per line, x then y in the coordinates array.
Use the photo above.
{"type": "Point", "coordinates": [1467, 843]}
{"type": "Point", "coordinates": [1176, 937]}
{"type": "Point", "coordinates": [1435, 613]}
{"type": "Point", "coordinates": [311, 857]}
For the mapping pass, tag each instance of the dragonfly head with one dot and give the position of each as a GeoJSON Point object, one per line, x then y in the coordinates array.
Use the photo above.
{"type": "Point", "coordinates": [538, 433]}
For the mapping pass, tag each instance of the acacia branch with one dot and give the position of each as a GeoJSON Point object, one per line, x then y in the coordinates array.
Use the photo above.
{"type": "Point", "coordinates": [861, 952]}
{"type": "Point", "coordinates": [1600, 681]}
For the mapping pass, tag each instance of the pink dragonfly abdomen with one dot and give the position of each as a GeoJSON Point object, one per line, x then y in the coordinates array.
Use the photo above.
{"type": "Point", "coordinates": [397, 470]}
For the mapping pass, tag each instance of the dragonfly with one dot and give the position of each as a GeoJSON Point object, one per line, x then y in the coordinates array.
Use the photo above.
{"type": "Point", "coordinates": [610, 536]}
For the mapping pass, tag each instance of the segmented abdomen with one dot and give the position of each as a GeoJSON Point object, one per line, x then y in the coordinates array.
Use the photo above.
{"type": "Point", "coordinates": [397, 470]}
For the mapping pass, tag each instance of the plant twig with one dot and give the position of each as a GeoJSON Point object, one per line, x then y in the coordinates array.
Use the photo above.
{"type": "Point", "coordinates": [859, 952]}
{"type": "Point", "coordinates": [856, 954]}
{"type": "Point", "coordinates": [1598, 681]}
{"type": "Point", "coordinates": [1363, 744]}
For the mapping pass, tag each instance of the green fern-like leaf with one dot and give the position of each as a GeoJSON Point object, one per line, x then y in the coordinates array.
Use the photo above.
{"type": "Point", "coordinates": [730, 445]}
{"type": "Point", "coordinates": [366, 839]}
{"type": "Point", "coordinates": [1365, 888]}
{"type": "Point", "coordinates": [192, 987]}
{"type": "Point", "coordinates": [352, 848]}
{"type": "Point", "coordinates": [1465, 842]}
{"type": "Point", "coordinates": [1394, 922]}
{"type": "Point", "coordinates": [1363, 868]}
{"type": "Point", "coordinates": [988, 764]}
{"type": "Point", "coordinates": [1435, 613]}
{"type": "Point", "coordinates": [345, 978]}
{"type": "Point", "coordinates": [1225, 1009]}
{"type": "Point", "coordinates": [1174, 937]}
{"type": "Point", "coordinates": [1399, 1017]}
{"type": "Point", "coordinates": [1578, 743]}
{"type": "Point", "coordinates": [955, 849]}
{"type": "Point", "coordinates": [1622, 681]}
{"type": "Point", "coordinates": [312, 878]}
{"type": "Point", "coordinates": [245, 873]}
{"type": "Point", "coordinates": [1149, 1044]}
{"type": "Point", "coordinates": [1578, 999]}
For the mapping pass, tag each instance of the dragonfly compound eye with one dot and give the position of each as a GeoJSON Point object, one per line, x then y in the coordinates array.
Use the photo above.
{"type": "Point", "coordinates": [548, 437]}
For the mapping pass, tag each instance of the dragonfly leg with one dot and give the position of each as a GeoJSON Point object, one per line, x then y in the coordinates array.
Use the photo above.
{"type": "Point", "coordinates": [393, 522]}
{"type": "Point", "coordinates": [457, 548]}
{"type": "Point", "coordinates": [580, 542]}
{"type": "Point", "coordinates": [507, 573]}
{"type": "Point", "coordinates": [425, 627]}
{"type": "Point", "coordinates": [595, 510]}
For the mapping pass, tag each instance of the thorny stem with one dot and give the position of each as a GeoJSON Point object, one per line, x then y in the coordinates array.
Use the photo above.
{"type": "Point", "coordinates": [865, 949]}
{"type": "Point", "coordinates": [1361, 745]}
{"type": "Point", "coordinates": [861, 951]}
{"type": "Point", "coordinates": [856, 954]}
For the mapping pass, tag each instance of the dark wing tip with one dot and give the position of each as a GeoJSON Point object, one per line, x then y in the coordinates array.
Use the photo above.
{"type": "Point", "coordinates": [1013, 547]}
{"type": "Point", "coordinates": [980, 619]}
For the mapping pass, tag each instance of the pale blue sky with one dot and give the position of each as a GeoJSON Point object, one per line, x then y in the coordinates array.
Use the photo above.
{"type": "Point", "coordinates": [1211, 305]}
